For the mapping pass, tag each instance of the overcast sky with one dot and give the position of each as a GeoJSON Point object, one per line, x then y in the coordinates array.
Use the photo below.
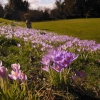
{"type": "Point", "coordinates": [34, 4]}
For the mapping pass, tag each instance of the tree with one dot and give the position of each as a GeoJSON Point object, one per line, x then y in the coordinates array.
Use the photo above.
{"type": "Point", "coordinates": [93, 8]}
{"type": "Point", "coordinates": [69, 6]}
{"type": "Point", "coordinates": [55, 14]}
{"type": "Point", "coordinates": [1, 11]}
{"type": "Point", "coordinates": [80, 7]}
{"type": "Point", "coordinates": [16, 7]}
{"type": "Point", "coordinates": [36, 15]}
{"type": "Point", "coordinates": [65, 8]}
{"type": "Point", "coordinates": [46, 15]}
{"type": "Point", "coordinates": [59, 10]}
{"type": "Point", "coordinates": [88, 8]}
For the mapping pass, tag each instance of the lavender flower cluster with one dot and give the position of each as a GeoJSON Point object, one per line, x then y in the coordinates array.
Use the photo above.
{"type": "Point", "coordinates": [58, 60]}
{"type": "Point", "coordinates": [47, 40]}
{"type": "Point", "coordinates": [16, 73]}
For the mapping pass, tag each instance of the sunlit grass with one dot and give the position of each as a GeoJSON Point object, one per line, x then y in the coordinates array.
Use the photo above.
{"type": "Point", "coordinates": [11, 22]}
{"type": "Point", "coordinates": [82, 28]}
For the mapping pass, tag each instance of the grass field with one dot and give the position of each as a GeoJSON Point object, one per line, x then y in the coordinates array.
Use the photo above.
{"type": "Point", "coordinates": [82, 28]}
{"type": "Point", "coordinates": [11, 22]}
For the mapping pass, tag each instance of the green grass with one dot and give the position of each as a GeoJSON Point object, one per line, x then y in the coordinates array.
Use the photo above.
{"type": "Point", "coordinates": [82, 28]}
{"type": "Point", "coordinates": [4, 20]}
{"type": "Point", "coordinates": [11, 22]}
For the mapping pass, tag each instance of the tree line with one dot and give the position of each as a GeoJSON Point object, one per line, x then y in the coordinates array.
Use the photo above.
{"type": "Point", "coordinates": [66, 9]}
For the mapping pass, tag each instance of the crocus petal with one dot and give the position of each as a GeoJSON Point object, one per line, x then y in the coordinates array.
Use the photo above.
{"type": "Point", "coordinates": [45, 68]}
{"type": "Point", "coordinates": [3, 72]}
{"type": "Point", "coordinates": [12, 77]}
{"type": "Point", "coordinates": [57, 67]}
{"type": "Point", "coordinates": [15, 67]}
{"type": "Point", "coordinates": [73, 77]}
{"type": "Point", "coordinates": [0, 63]}
{"type": "Point", "coordinates": [80, 74]}
{"type": "Point", "coordinates": [22, 76]}
{"type": "Point", "coordinates": [45, 60]}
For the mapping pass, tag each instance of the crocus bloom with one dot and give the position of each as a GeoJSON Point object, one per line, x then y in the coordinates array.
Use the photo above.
{"type": "Point", "coordinates": [15, 67]}
{"type": "Point", "coordinates": [57, 67]}
{"type": "Point", "coordinates": [80, 74]}
{"type": "Point", "coordinates": [58, 59]}
{"type": "Point", "coordinates": [45, 68]}
{"type": "Point", "coordinates": [3, 71]}
{"type": "Point", "coordinates": [45, 60]}
{"type": "Point", "coordinates": [22, 76]}
{"type": "Point", "coordinates": [73, 77]}
{"type": "Point", "coordinates": [18, 45]}
{"type": "Point", "coordinates": [16, 73]}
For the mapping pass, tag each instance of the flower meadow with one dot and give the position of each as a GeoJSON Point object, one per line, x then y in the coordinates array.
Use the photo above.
{"type": "Point", "coordinates": [40, 65]}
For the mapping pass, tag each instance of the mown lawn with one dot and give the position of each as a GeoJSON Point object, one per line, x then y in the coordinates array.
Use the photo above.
{"type": "Point", "coordinates": [11, 22]}
{"type": "Point", "coordinates": [82, 28]}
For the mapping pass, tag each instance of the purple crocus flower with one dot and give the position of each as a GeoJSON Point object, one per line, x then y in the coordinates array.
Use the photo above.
{"type": "Point", "coordinates": [80, 74]}
{"type": "Point", "coordinates": [15, 67]}
{"type": "Point", "coordinates": [45, 68]}
{"type": "Point", "coordinates": [64, 62]}
{"type": "Point", "coordinates": [3, 71]}
{"type": "Point", "coordinates": [58, 59]}
{"type": "Point", "coordinates": [64, 58]}
{"type": "Point", "coordinates": [22, 76]}
{"type": "Point", "coordinates": [18, 45]}
{"type": "Point", "coordinates": [57, 67]}
{"type": "Point", "coordinates": [46, 60]}
{"type": "Point", "coordinates": [16, 73]}
{"type": "Point", "coordinates": [73, 77]}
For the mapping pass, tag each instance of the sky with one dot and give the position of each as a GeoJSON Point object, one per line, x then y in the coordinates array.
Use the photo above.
{"type": "Point", "coordinates": [35, 4]}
